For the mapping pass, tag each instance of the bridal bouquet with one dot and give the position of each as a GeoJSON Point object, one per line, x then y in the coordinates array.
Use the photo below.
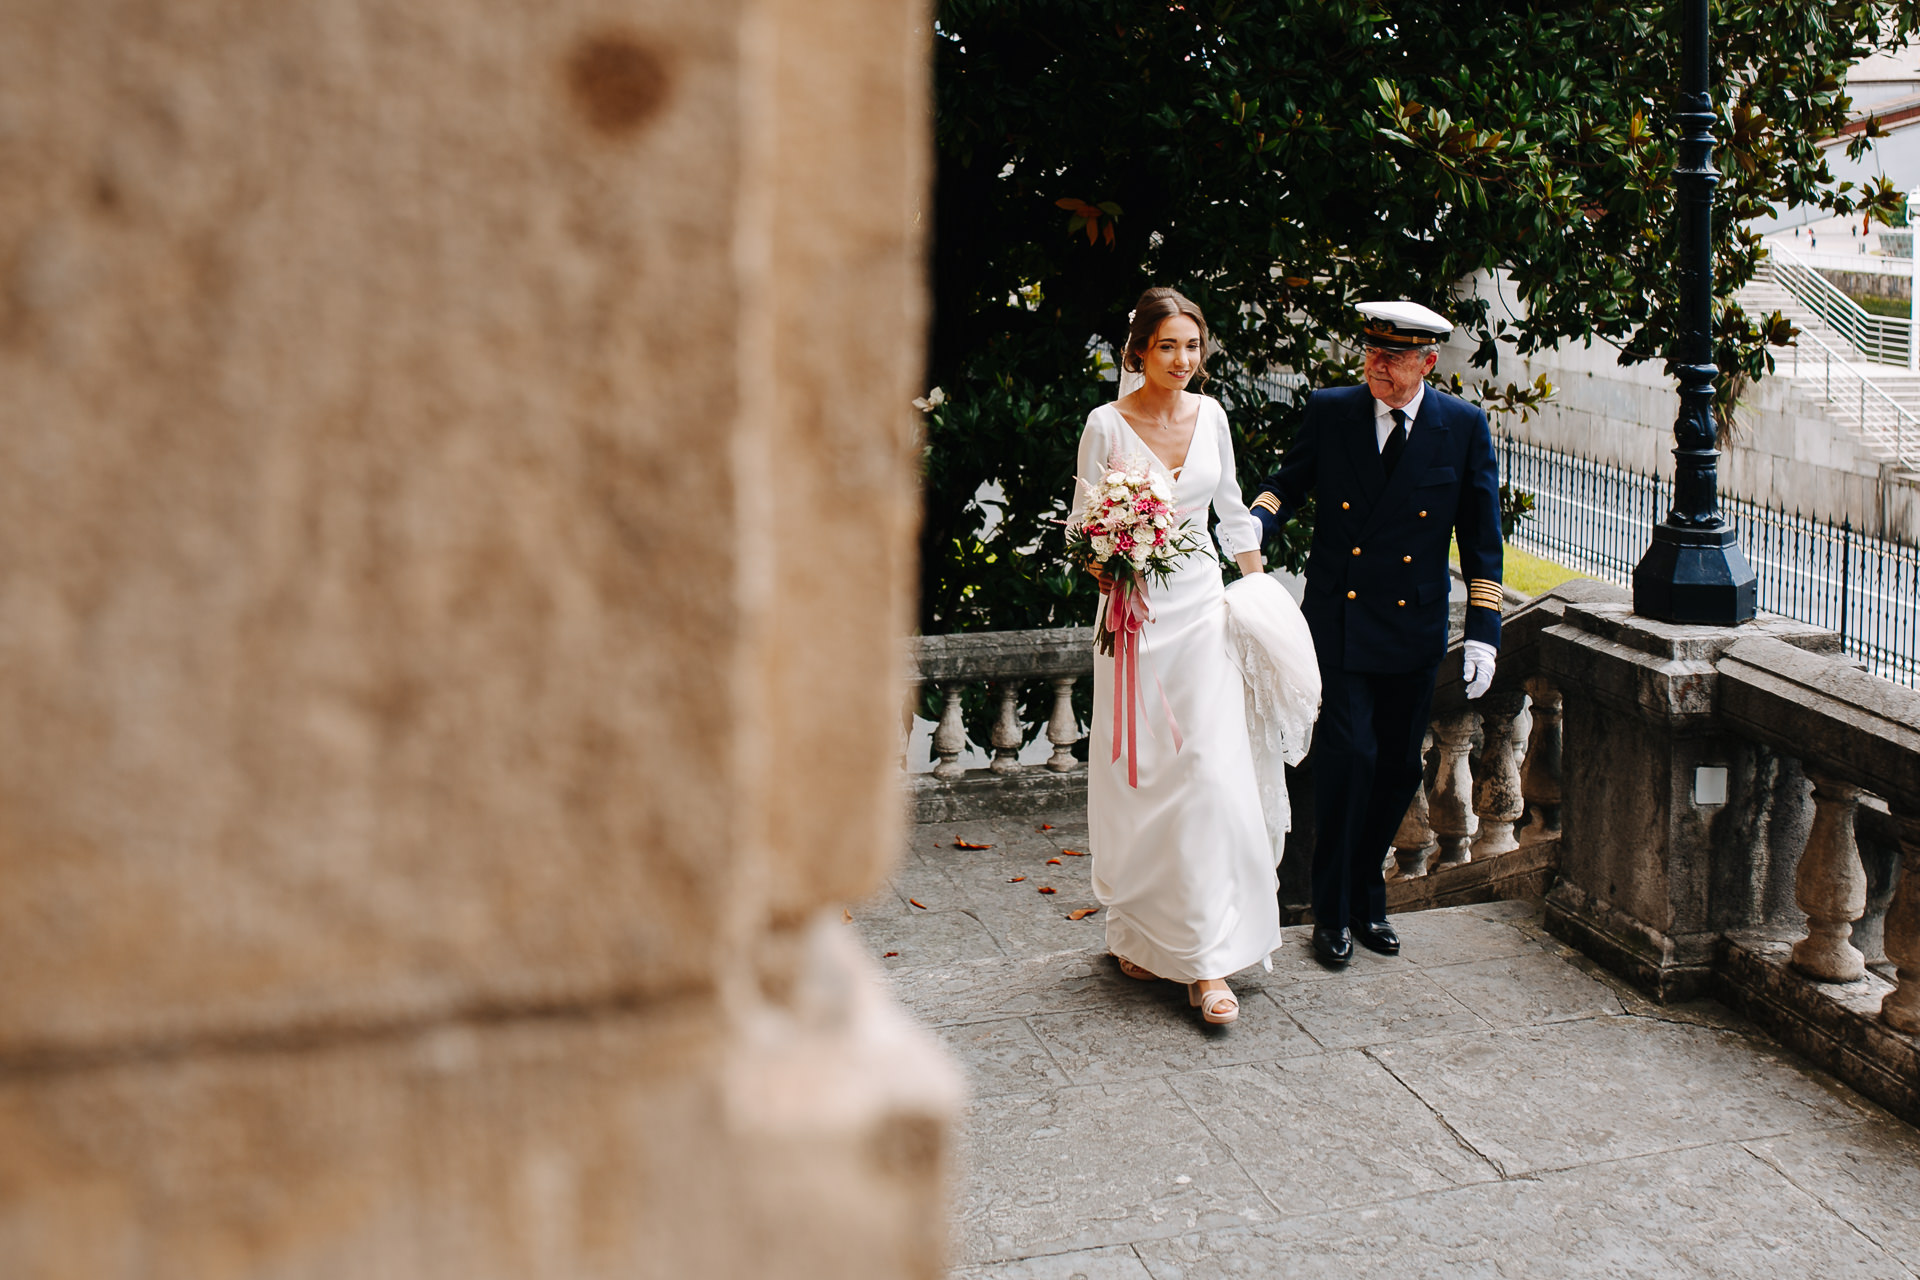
{"type": "Point", "coordinates": [1126, 526]}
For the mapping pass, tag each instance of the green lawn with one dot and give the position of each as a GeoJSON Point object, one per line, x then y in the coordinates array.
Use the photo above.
{"type": "Point", "coordinates": [1529, 574]}
{"type": "Point", "coordinates": [1897, 307]}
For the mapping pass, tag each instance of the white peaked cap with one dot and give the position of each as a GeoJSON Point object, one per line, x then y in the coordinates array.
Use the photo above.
{"type": "Point", "coordinates": [1405, 323]}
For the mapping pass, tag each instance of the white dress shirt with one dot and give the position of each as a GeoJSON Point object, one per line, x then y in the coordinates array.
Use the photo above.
{"type": "Point", "coordinates": [1383, 416]}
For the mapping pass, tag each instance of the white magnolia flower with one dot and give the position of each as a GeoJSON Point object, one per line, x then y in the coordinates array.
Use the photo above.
{"type": "Point", "coordinates": [1116, 477]}
{"type": "Point", "coordinates": [931, 401]}
{"type": "Point", "coordinates": [1159, 489]}
{"type": "Point", "coordinates": [1162, 521]}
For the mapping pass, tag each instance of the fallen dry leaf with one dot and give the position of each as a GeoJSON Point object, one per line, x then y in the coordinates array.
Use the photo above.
{"type": "Point", "coordinates": [1046, 826]}
{"type": "Point", "coordinates": [888, 955]}
{"type": "Point", "coordinates": [1082, 913]}
{"type": "Point", "coordinates": [968, 844]}
{"type": "Point", "coordinates": [916, 902]}
{"type": "Point", "coordinates": [1016, 880]}
{"type": "Point", "coordinates": [1053, 862]}
{"type": "Point", "coordinates": [1073, 853]}
{"type": "Point", "coordinates": [1047, 888]}
{"type": "Point", "coordinates": [846, 916]}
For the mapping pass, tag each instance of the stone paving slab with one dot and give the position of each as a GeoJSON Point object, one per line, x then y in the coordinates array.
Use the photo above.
{"type": "Point", "coordinates": [1130, 1041]}
{"type": "Point", "coordinates": [1712, 1213]}
{"type": "Point", "coordinates": [1003, 1056]}
{"type": "Point", "coordinates": [1117, 1263]}
{"type": "Point", "coordinates": [1092, 1165]}
{"type": "Point", "coordinates": [1871, 1178]}
{"type": "Point", "coordinates": [1551, 1097]}
{"type": "Point", "coordinates": [1525, 990]}
{"type": "Point", "coordinates": [1274, 1118]}
{"type": "Point", "coordinates": [1487, 1103]}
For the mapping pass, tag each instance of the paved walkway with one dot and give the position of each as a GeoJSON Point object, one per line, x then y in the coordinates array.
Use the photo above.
{"type": "Point", "coordinates": [1487, 1104]}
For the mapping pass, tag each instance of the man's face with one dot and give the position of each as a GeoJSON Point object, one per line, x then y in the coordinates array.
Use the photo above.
{"type": "Point", "coordinates": [1393, 376]}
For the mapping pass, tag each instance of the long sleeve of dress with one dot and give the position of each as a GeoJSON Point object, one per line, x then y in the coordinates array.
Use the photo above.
{"type": "Point", "coordinates": [1096, 446]}
{"type": "Point", "coordinates": [1238, 530]}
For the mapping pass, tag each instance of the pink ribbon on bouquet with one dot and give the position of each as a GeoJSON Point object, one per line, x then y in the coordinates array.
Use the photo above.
{"type": "Point", "coordinates": [1127, 613]}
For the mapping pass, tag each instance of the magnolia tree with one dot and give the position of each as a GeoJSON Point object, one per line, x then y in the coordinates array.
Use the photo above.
{"type": "Point", "coordinates": [1280, 160]}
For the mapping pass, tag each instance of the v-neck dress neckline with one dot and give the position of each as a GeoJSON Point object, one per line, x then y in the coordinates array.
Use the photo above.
{"type": "Point", "coordinates": [1173, 473]}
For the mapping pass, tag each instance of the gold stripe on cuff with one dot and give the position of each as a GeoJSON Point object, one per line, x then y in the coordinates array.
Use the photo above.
{"type": "Point", "coordinates": [1269, 502]}
{"type": "Point", "coordinates": [1485, 593]}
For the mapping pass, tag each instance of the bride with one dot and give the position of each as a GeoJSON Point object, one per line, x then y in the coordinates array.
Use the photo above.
{"type": "Point", "coordinates": [1184, 862]}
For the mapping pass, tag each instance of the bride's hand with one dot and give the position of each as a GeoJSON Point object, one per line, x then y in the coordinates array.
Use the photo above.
{"type": "Point", "coordinates": [1102, 577]}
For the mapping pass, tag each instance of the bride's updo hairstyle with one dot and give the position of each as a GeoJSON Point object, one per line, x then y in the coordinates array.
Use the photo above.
{"type": "Point", "coordinates": [1157, 305]}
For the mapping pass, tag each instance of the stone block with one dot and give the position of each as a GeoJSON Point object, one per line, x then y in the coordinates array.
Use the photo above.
{"type": "Point", "coordinates": [444, 734]}
{"type": "Point", "coordinates": [589, 1143]}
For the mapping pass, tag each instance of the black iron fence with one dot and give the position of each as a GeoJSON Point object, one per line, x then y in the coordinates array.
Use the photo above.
{"type": "Point", "coordinates": [1598, 519]}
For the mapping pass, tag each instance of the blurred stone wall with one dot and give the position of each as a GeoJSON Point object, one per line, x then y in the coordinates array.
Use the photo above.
{"type": "Point", "coordinates": [456, 497]}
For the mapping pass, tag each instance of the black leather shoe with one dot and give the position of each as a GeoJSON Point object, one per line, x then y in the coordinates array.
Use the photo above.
{"type": "Point", "coordinates": [1331, 947]}
{"type": "Point", "coordinates": [1377, 937]}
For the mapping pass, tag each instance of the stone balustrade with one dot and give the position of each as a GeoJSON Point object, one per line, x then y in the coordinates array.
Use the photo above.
{"type": "Point", "coordinates": [1856, 738]}
{"type": "Point", "coordinates": [1008, 663]}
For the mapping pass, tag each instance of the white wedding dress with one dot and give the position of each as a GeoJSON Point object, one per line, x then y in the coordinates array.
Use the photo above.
{"type": "Point", "coordinates": [1185, 863]}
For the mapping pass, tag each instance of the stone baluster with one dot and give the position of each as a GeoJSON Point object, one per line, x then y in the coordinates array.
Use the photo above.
{"type": "Point", "coordinates": [1540, 776]}
{"type": "Point", "coordinates": [950, 735]}
{"type": "Point", "coordinates": [1901, 1008]}
{"type": "Point", "coordinates": [1414, 842]}
{"type": "Point", "coordinates": [1007, 737]}
{"type": "Point", "coordinates": [1063, 728]}
{"type": "Point", "coordinates": [1497, 800]}
{"type": "Point", "coordinates": [1830, 885]}
{"type": "Point", "coordinates": [1449, 808]}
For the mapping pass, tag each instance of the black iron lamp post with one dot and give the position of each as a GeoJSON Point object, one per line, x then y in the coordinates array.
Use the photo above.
{"type": "Point", "coordinates": [1695, 571]}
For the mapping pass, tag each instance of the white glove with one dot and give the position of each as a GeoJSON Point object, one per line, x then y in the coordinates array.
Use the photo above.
{"type": "Point", "coordinates": [1476, 666]}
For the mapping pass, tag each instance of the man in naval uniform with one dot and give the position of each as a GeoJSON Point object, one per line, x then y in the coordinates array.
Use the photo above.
{"type": "Point", "coordinates": [1398, 470]}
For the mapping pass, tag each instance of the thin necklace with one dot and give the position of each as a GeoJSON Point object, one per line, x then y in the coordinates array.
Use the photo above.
{"type": "Point", "coordinates": [1169, 424]}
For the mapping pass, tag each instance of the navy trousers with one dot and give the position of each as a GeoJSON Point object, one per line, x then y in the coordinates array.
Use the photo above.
{"type": "Point", "coordinates": [1366, 766]}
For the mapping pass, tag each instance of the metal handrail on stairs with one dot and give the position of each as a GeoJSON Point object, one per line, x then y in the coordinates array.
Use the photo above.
{"type": "Point", "coordinates": [1883, 339]}
{"type": "Point", "coordinates": [1889, 428]}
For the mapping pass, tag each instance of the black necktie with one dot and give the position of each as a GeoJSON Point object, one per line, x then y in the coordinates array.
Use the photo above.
{"type": "Point", "coordinates": [1396, 441]}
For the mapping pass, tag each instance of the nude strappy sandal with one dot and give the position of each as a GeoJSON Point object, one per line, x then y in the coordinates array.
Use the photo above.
{"type": "Point", "coordinates": [1219, 1006]}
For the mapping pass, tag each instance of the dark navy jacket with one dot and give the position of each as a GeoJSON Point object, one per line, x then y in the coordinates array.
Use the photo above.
{"type": "Point", "coordinates": [1377, 578]}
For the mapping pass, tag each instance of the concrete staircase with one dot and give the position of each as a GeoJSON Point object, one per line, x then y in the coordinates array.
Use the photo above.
{"type": "Point", "coordinates": [1875, 402]}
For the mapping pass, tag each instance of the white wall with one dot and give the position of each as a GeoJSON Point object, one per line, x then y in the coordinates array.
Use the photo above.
{"type": "Point", "coordinates": [1786, 452]}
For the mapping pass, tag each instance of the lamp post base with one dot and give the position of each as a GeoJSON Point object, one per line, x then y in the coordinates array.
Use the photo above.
{"type": "Point", "coordinates": [1695, 576]}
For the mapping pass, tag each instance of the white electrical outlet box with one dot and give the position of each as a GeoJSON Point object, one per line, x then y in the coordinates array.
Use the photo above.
{"type": "Point", "coordinates": [1710, 784]}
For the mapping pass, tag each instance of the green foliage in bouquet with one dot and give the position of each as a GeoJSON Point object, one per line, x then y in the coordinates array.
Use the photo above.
{"type": "Point", "coordinates": [1280, 160]}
